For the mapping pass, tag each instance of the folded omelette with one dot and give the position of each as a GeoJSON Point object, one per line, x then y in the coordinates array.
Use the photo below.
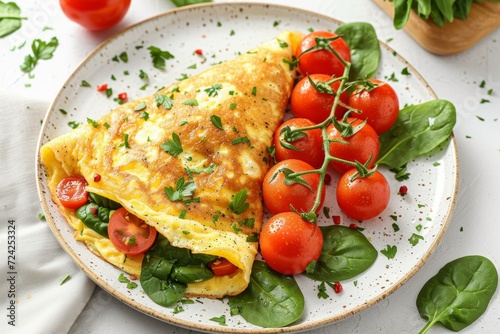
{"type": "Point", "coordinates": [211, 130]}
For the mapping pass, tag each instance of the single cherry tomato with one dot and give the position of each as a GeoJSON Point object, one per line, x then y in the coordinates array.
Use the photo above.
{"type": "Point", "coordinates": [361, 146]}
{"type": "Point", "coordinates": [289, 244]}
{"type": "Point", "coordinates": [123, 96]}
{"type": "Point", "coordinates": [71, 192]}
{"type": "Point", "coordinates": [364, 197]}
{"type": "Point", "coordinates": [322, 60]}
{"type": "Point", "coordinates": [130, 234]}
{"type": "Point", "coordinates": [222, 267]}
{"type": "Point", "coordinates": [279, 191]}
{"type": "Point", "coordinates": [378, 103]}
{"type": "Point", "coordinates": [307, 102]}
{"type": "Point", "coordinates": [304, 145]}
{"type": "Point", "coordinates": [95, 14]}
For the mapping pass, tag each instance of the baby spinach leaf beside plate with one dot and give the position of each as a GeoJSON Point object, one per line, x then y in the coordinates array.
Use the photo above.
{"type": "Point", "coordinates": [346, 253]}
{"type": "Point", "coordinates": [365, 48]}
{"type": "Point", "coordinates": [10, 18]}
{"type": "Point", "coordinates": [181, 3]}
{"type": "Point", "coordinates": [271, 300]}
{"type": "Point", "coordinates": [418, 130]}
{"type": "Point", "coordinates": [459, 293]}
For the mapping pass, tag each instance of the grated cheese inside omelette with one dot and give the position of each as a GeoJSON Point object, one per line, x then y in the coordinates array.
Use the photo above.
{"type": "Point", "coordinates": [249, 94]}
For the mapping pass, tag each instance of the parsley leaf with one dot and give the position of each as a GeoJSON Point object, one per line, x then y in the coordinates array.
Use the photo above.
{"type": "Point", "coordinates": [213, 90]}
{"type": "Point", "coordinates": [216, 121]}
{"type": "Point", "coordinates": [159, 56]}
{"type": "Point", "coordinates": [220, 320]}
{"type": "Point", "coordinates": [173, 146]}
{"type": "Point", "coordinates": [164, 100]}
{"type": "Point", "coordinates": [182, 189]}
{"type": "Point", "coordinates": [237, 204]}
{"type": "Point", "coordinates": [41, 51]}
{"type": "Point", "coordinates": [389, 251]}
{"type": "Point", "coordinates": [415, 238]}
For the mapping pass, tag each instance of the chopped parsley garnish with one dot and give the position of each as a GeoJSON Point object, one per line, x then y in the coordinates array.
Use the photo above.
{"type": "Point", "coordinates": [85, 84]}
{"type": "Point", "coordinates": [220, 320]}
{"type": "Point", "coordinates": [73, 124]}
{"type": "Point", "coordinates": [213, 90]}
{"type": "Point", "coordinates": [389, 251]}
{"type": "Point", "coordinates": [143, 75]}
{"type": "Point", "coordinates": [65, 279]}
{"type": "Point", "coordinates": [140, 106]}
{"type": "Point", "coordinates": [254, 91]}
{"type": "Point", "coordinates": [237, 204]}
{"type": "Point", "coordinates": [182, 189]}
{"type": "Point", "coordinates": [415, 238]}
{"type": "Point", "coordinates": [232, 106]}
{"type": "Point", "coordinates": [41, 51]}
{"type": "Point", "coordinates": [322, 291]}
{"type": "Point", "coordinates": [216, 121]}
{"type": "Point", "coordinates": [173, 146]}
{"type": "Point", "coordinates": [405, 71]}
{"type": "Point", "coordinates": [125, 141]}
{"type": "Point", "coordinates": [240, 140]}
{"type": "Point", "coordinates": [159, 56]}
{"type": "Point", "coordinates": [91, 121]}
{"type": "Point", "coordinates": [164, 101]}
{"type": "Point", "coordinates": [191, 102]}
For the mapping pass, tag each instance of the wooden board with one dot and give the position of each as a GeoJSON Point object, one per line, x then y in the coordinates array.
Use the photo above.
{"type": "Point", "coordinates": [454, 37]}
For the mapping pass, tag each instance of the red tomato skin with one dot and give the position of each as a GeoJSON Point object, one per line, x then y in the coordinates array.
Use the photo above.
{"type": "Point", "coordinates": [307, 102]}
{"type": "Point", "coordinates": [380, 106]}
{"type": "Point", "coordinates": [71, 192]}
{"type": "Point", "coordinates": [288, 243]}
{"type": "Point", "coordinates": [322, 61]}
{"type": "Point", "coordinates": [95, 14]}
{"type": "Point", "coordinates": [124, 224]}
{"type": "Point", "coordinates": [364, 198]}
{"type": "Point", "coordinates": [359, 147]}
{"type": "Point", "coordinates": [310, 148]}
{"type": "Point", "coordinates": [222, 267]}
{"type": "Point", "coordinates": [278, 196]}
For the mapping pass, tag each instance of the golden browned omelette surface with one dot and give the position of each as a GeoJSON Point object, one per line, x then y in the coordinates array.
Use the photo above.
{"type": "Point", "coordinates": [212, 129]}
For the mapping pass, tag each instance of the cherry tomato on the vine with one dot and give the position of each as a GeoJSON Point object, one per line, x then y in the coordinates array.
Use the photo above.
{"type": "Point", "coordinates": [288, 243]}
{"type": "Point", "coordinates": [364, 197]}
{"type": "Point", "coordinates": [322, 60]}
{"type": "Point", "coordinates": [71, 192]}
{"type": "Point", "coordinates": [280, 189]}
{"type": "Point", "coordinates": [307, 102]}
{"type": "Point", "coordinates": [130, 234]}
{"type": "Point", "coordinates": [360, 147]}
{"type": "Point", "coordinates": [303, 145]}
{"type": "Point", "coordinates": [378, 103]}
{"type": "Point", "coordinates": [95, 14]}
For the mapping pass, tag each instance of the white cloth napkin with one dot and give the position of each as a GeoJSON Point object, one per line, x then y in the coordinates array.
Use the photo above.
{"type": "Point", "coordinates": [39, 264]}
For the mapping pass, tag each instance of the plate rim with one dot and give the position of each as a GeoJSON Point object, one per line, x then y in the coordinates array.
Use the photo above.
{"type": "Point", "coordinates": [170, 319]}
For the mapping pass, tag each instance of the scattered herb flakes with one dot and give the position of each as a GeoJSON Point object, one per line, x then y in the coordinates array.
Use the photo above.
{"type": "Point", "coordinates": [415, 238]}
{"type": "Point", "coordinates": [480, 118]}
{"type": "Point", "coordinates": [395, 227]}
{"type": "Point", "coordinates": [254, 91]}
{"type": "Point", "coordinates": [240, 140]}
{"type": "Point", "coordinates": [173, 146]}
{"type": "Point", "coordinates": [123, 57]}
{"type": "Point", "coordinates": [232, 33]}
{"type": "Point", "coordinates": [418, 227]}
{"type": "Point", "coordinates": [389, 251]}
{"type": "Point", "coordinates": [41, 216]}
{"type": "Point", "coordinates": [73, 124]}
{"type": "Point", "coordinates": [182, 189]}
{"type": "Point", "coordinates": [164, 101]}
{"type": "Point", "coordinates": [143, 75]}
{"type": "Point", "coordinates": [178, 309]}
{"type": "Point", "coordinates": [183, 76]}
{"type": "Point", "coordinates": [276, 23]}
{"type": "Point", "coordinates": [158, 56]}
{"type": "Point", "coordinates": [191, 102]}
{"type": "Point", "coordinates": [220, 320]}
{"type": "Point", "coordinates": [85, 83]}
{"type": "Point", "coordinates": [482, 101]}
{"type": "Point", "coordinates": [232, 106]}
{"type": "Point", "coordinates": [214, 89]}
{"type": "Point", "coordinates": [125, 141]}
{"type": "Point", "coordinates": [392, 77]}
{"type": "Point", "coordinates": [65, 279]}
{"type": "Point", "coordinates": [93, 122]}
{"type": "Point", "coordinates": [482, 84]}
{"type": "Point", "coordinates": [326, 212]}
{"type": "Point", "coordinates": [180, 3]}
{"type": "Point", "coordinates": [436, 164]}
{"type": "Point", "coordinates": [62, 111]}
{"type": "Point", "coordinates": [405, 71]}
{"type": "Point", "coordinates": [41, 51]}
{"type": "Point", "coordinates": [140, 106]}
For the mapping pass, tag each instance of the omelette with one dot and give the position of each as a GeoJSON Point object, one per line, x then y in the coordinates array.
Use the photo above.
{"type": "Point", "coordinates": [192, 169]}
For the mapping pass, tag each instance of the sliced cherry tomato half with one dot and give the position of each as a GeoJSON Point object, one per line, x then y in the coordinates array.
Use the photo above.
{"type": "Point", "coordinates": [130, 234]}
{"type": "Point", "coordinates": [71, 192]}
{"type": "Point", "coordinates": [222, 267]}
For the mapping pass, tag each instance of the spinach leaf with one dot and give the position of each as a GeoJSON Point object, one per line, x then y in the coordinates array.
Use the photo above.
{"type": "Point", "coordinates": [402, 10]}
{"type": "Point", "coordinates": [346, 253]}
{"type": "Point", "coordinates": [461, 9]}
{"type": "Point", "coordinates": [365, 48]}
{"type": "Point", "coordinates": [94, 217]}
{"type": "Point", "coordinates": [271, 300]}
{"type": "Point", "coordinates": [459, 293]}
{"type": "Point", "coordinates": [166, 271]}
{"type": "Point", "coordinates": [103, 201]}
{"type": "Point", "coordinates": [10, 18]}
{"type": "Point", "coordinates": [418, 130]}
{"type": "Point", "coordinates": [446, 8]}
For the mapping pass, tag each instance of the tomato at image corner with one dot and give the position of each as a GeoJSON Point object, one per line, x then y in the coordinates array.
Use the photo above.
{"type": "Point", "coordinates": [95, 14]}
{"type": "Point", "coordinates": [288, 243]}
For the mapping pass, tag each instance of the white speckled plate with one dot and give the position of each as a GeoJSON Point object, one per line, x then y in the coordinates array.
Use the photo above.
{"type": "Point", "coordinates": [221, 31]}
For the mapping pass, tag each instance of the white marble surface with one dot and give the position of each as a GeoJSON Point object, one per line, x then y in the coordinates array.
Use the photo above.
{"type": "Point", "coordinates": [474, 228]}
